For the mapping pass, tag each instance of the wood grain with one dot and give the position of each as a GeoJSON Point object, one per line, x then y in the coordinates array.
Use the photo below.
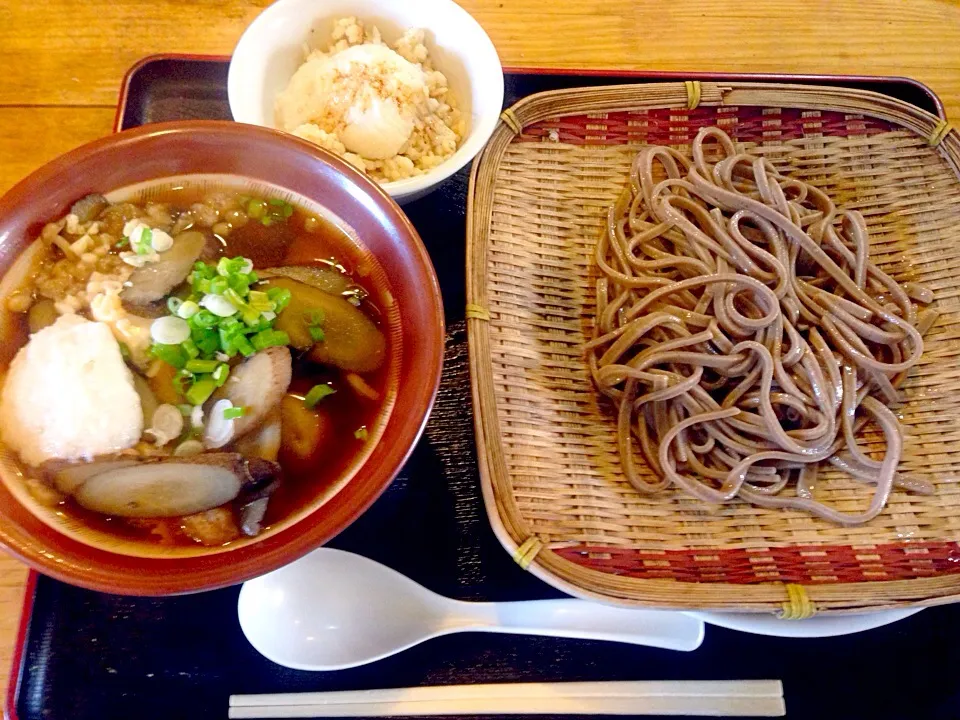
{"type": "Point", "coordinates": [61, 63]}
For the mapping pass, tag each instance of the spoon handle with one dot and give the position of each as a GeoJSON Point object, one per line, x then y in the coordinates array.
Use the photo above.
{"type": "Point", "coordinates": [584, 620]}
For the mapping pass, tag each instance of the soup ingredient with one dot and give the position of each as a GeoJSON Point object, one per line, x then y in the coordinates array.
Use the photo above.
{"type": "Point", "coordinates": [211, 527]}
{"type": "Point", "coordinates": [257, 385]}
{"type": "Point", "coordinates": [69, 395]}
{"type": "Point", "coordinates": [351, 340]}
{"type": "Point", "coordinates": [744, 333]}
{"type": "Point", "coordinates": [148, 401]}
{"type": "Point", "coordinates": [316, 394]}
{"type": "Point", "coordinates": [166, 425]}
{"type": "Point", "coordinates": [68, 476]}
{"type": "Point", "coordinates": [132, 330]}
{"type": "Point", "coordinates": [326, 278]}
{"type": "Point", "coordinates": [188, 448]}
{"type": "Point", "coordinates": [42, 314]}
{"type": "Point", "coordinates": [174, 486]}
{"type": "Point", "coordinates": [304, 430]}
{"type": "Point", "coordinates": [169, 330]}
{"type": "Point", "coordinates": [385, 110]}
{"type": "Point", "coordinates": [361, 387]}
{"type": "Point", "coordinates": [89, 207]}
{"type": "Point", "coordinates": [264, 442]}
{"type": "Point", "coordinates": [251, 517]}
{"type": "Point", "coordinates": [222, 317]}
{"type": "Point", "coordinates": [154, 281]}
{"type": "Point", "coordinates": [161, 378]}
{"type": "Point", "coordinates": [219, 429]}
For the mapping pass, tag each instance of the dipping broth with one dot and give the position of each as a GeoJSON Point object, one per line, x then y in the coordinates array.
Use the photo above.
{"type": "Point", "coordinates": [236, 339]}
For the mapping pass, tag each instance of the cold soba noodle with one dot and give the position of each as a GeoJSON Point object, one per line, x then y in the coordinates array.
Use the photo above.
{"type": "Point", "coordinates": [744, 334]}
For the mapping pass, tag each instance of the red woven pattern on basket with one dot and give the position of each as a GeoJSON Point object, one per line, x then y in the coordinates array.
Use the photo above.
{"type": "Point", "coordinates": [679, 126]}
{"type": "Point", "coordinates": [809, 564]}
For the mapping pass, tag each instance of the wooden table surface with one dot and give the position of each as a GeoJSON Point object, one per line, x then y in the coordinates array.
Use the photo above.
{"type": "Point", "coordinates": [61, 63]}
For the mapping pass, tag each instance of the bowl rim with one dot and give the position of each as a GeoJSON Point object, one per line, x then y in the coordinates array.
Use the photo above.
{"type": "Point", "coordinates": [102, 570]}
{"type": "Point", "coordinates": [469, 148]}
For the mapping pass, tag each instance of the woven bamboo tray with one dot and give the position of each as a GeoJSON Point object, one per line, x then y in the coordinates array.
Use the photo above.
{"type": "Point", "coordinates": [551, 475]}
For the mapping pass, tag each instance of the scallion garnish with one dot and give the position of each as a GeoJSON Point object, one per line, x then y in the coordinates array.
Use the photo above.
{"type": "Point", "coordinates": [201, 366]}
{"type": "Point", "coordinates": [234, 412]}
{"type": "Point", "coordinates": [220, 374]}
{"type": "Point", "coordinates": [200, 391]}
{"type": "Point", "coordinates": [316, 394]}
{"type": "Point", "coordinates": [216, 333]}
{"type": "Point", "coordinates": [144, 244]}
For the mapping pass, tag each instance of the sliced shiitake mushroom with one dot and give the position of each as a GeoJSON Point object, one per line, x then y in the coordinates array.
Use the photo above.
{"type": "Point", "coordinates": [352, 340]}
{"type": "Point", "coordinates": [325, 278]}
{"type": "Point", "coordinates": [155, 280]}
{"type": "Point", "coordinates": [257, 384]}
{"type": "Point", "coordinates": [89, 207]}
{"type": "Point", "coordinates": [68, 477]}
{"type": "Point", "coordinates": [165, 487]}
{"type": "Point", "coordinates": [265, 441]}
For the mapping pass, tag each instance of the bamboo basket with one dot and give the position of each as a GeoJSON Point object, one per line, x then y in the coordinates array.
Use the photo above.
{"type": "Point", "coordinates": [550, 471]}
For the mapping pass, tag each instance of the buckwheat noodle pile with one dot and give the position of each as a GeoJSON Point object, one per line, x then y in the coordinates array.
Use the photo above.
{"type": "Point", "coordinates": [744, 334]}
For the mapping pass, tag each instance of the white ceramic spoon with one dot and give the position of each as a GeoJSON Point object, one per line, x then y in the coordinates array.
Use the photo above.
{"type": "Point", "coordinates": [332, 610]}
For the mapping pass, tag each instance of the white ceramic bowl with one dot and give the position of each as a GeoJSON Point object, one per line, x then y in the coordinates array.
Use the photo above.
{"type": "Point", "coordinates": [271, 50]}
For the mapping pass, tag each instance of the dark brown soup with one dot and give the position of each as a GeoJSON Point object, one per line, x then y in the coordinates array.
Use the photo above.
{"type": "Point", "coordinates": [306, 298]}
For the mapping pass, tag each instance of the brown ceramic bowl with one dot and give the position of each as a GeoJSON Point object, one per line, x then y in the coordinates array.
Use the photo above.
{"type": "Point", "coordinates": [381, 230]}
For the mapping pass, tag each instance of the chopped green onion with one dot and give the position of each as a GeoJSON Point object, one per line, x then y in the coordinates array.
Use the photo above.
{"type": "Point", "coordinates": [122, 241]}
{"type": "Point", "coordinates": [218, 285]}
{"type": "Point", "coordinates": [270, 338]}
{"type": "Point", "coordinates": [201, 366]}
{"type": "Point", "coordinates": [239, 284]}
{"type": "Point", "coordinates": [170, 354]}
{"type": "Point", "coordinates": [201, 391]}
{"type": "Point", "coordinates": [187, 309]}
{"type": "Point", "coordinates": [208, 341]}
{"type": "Point", "coordinates": [243, 346]}
{"type": "Point", "coordinates": [180, 381]}
{"type": "Point", "coordinates": [220, 374]}
{"type": "Point", "coordinates": [204, 319]}
{"type": "Point", "coordinates": [256, 209]}
{"type": "Point", "coordinates": [233, 413]}
{"type": "Point", "coordinates": [316, 394]}
{"type": "Point", "coordinates": [173, 304]}
{"type": "Point", "coordinates": [361, 433]}
{"type": "Point", "coordinates": [185, 410]}
{"type": "Point", "coordinates": [287, 210]}
{"type": "Point", "coordinates": [124, 350]}
{"type": "Point", "coordinates": [144, 246]}
{"type": "Point", "coordinates": [276, 202]}
{"type": "Point", "coordinates": [317, 334]}
{"type": "Point", "coordinates": [267, 221]}
{"type": "Point", "coordinates": [234, 297]}
{"type": "Point", "coordinates": [258, 297]}
{"type": "Point", "coordinates": [314, 317]}
{"type": "Point", "coordinates": [279, 297]}
{"type": "Point", "coordinates": [191, 349]}
{"type": "Point", "coordinates": [252, 277]}
{"type": "Point", "coordinates": [230, 324]}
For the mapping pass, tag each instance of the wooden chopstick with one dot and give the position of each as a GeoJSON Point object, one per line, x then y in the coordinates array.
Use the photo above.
{"type": "Point", "coordinates": [748, 698]}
